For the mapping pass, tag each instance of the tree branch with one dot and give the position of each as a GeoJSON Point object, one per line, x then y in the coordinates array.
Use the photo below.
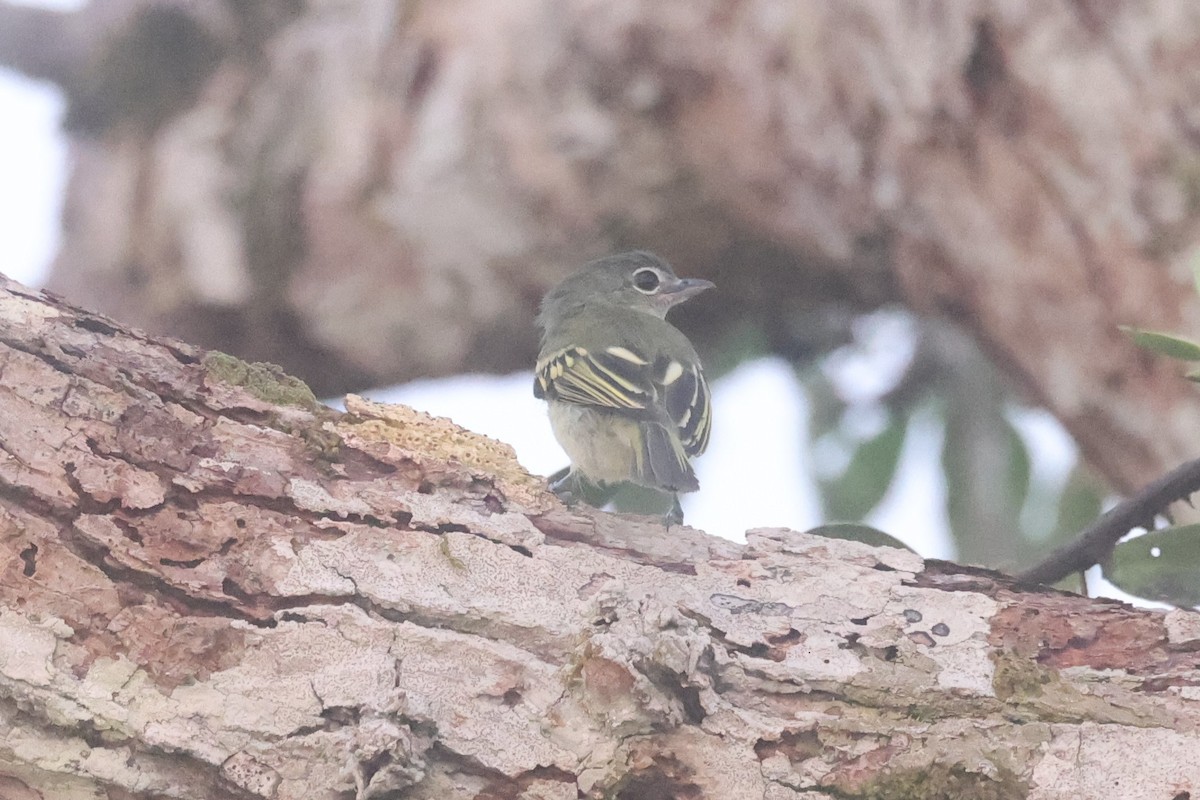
{"type": "Point", "coordinates": [1095, 543]}
{"type": "Point", "coordinates": [213, 587]}
{"type": "Point", "coordinates": [39, 43]}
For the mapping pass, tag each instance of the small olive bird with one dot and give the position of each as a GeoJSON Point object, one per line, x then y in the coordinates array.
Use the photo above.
{"type": "Point", "coordinates": [625, 389]}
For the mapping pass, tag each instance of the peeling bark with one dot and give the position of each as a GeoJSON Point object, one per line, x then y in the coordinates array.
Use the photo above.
{"type": "Point", "coordinates": [213, 587]}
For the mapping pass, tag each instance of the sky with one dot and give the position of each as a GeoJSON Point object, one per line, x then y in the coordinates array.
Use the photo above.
{"type": "Point", "coordinates": [760, 411]}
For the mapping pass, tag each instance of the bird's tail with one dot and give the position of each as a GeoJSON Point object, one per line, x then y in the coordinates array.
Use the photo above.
{"type": "Point", "coordinates": [663, 464]}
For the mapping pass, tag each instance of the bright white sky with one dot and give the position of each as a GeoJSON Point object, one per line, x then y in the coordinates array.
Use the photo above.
{"type": "Point", "coordinates": [755, 472]}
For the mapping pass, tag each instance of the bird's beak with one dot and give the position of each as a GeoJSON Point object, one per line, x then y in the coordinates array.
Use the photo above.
{"type": "Point", "coordinates": [683, 289]}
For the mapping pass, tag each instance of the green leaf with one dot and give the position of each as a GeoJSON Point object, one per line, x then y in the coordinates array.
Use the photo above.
{"type": "Point", "coordinates": [1079, 505]}
{"type": "Point", "coordinates": [987, 471]}
{"type": "Point", "coordinates": [1165, 344]}
{"type": "Point", "coordinates": [742, 343]}
{"type": "Point", "coordinates": [1162, 565]}
{"type": "Point", "coordinates": [859, 489]}
{"type": "Point", "coordinates": [1020, 468]}
{"type": "Point", "coordinates": [826, 408]}
{"type": "Point", "coordinates": [856, 532]}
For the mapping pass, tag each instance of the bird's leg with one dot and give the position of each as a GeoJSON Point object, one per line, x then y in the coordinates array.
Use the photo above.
{"type": "Point", "coordinates": [674, 516]}
{"type": "Point", "coordinates": [565, 484]}
{"type": "Point", "coordinates": [573, 487]}
{"type": "Point", "coordinates": [557, 478]}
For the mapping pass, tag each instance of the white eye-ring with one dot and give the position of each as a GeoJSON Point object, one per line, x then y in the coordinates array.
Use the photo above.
{"type": "Point", "coordinates": [647, 280]}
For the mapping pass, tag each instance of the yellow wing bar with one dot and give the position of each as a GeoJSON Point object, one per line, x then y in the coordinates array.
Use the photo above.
{"type": "Point", "coordinates": [578, 376]}
{"type": "Point", "coordinates": [619, 378]}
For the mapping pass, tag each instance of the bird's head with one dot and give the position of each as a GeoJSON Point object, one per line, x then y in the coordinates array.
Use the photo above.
{"type": "Point", "coordinates": [637, 280]}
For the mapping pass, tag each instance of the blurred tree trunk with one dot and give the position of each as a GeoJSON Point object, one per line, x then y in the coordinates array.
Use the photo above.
{"type": "Point", "coordinates": [213, 587]}
{"type": "Point", "coordinates": [315, 183]}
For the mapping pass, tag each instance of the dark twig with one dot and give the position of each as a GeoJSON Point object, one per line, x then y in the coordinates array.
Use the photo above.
{"type": "Point", "coordinates": [1097, 541]}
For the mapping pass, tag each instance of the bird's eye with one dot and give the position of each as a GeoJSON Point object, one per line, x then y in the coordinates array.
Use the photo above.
{"type": "Point", "coordinates": [646, 281]}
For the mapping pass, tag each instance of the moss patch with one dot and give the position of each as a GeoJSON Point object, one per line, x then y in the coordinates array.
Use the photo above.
{"type": "Point", "coordinates": [427, 438]}
{"type": "Point", "coordinates": [940, 782]}
{"type": "Point", "coordinates": [1019, 679]}
{"type": "Point", "coordinates": [455, 561]}
{"type": "Point", "coordinates": [267, 382]}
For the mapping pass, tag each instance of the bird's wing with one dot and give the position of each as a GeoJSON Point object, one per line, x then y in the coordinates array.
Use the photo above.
{"type": "Point", "coordinates": [689, 403]}
{"type": "Point", "coordinates": [613, 378]}
{"type": "Point", "coordinates": [622, 379]}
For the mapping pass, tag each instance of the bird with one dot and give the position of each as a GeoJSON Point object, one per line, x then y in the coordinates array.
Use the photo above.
{"type": "Point", "coordinates": [625, 390]}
